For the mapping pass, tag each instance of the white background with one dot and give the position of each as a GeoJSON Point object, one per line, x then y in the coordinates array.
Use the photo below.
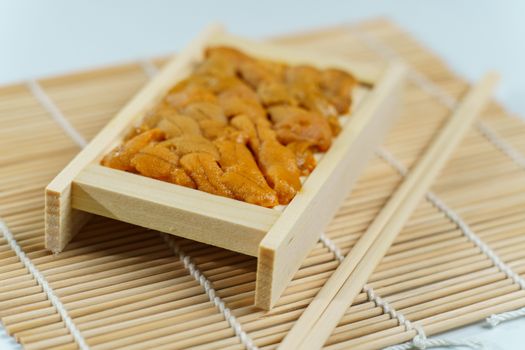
{"type": "Point", "coordinates": [44, 38]}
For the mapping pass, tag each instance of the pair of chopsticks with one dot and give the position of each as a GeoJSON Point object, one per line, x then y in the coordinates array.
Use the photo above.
{"type": "Point", "coordinates": [323, 314]}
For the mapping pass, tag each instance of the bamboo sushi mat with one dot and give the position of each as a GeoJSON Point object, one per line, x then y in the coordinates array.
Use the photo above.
{"type": "Point", "coordinates": [460, 258]}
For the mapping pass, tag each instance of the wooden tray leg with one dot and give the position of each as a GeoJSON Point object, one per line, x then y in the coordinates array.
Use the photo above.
{"type": "Point", "coordinates": [62, 222]}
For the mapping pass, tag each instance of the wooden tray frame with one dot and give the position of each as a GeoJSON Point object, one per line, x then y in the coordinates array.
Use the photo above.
{"type": "Point", "coordinates": [279, 239]}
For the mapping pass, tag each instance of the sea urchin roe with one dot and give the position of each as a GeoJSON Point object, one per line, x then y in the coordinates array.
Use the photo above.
{"type": "Point", "coordinates": [278, 163]}
{"type": "Point", "coordinates": [193, 93]}
{"type": "Point", "coordinates": [279, 167]}
{"type": "Point", "coordinates": [239, 127]}
{"type": "Point", "coordinates": [237, 101]}
{"type": "Point", "coordinates": [206, 173]}
{"type": "Point", "coordinates": [160, 163]}
{"type": "Point", "coordinates": [275, 93]}
{"type": "Point", "coordinates": [297, 124]}
{"type": "Point", "coordinates": [188, 144]}
{"type": "Point", "coordinates": [203, 110]}
{"type": "Point", "coordinates": [120, 157]}
{"type": "Point", "coordinates": [338, 86]}
{"type": "Point", "coordinates": [179, 125]}
{"type": "Point", "coordinates": [242, 176]}
{"type": "Point", "coordinates": [303, 155]}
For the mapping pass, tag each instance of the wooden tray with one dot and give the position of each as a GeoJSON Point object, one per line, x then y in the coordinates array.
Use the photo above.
{"type": "Point", "coordinates": [279, 237]}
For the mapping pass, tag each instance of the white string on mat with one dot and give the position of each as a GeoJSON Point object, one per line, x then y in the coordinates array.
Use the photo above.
{"type": "Point", "coordinates": [388, 309]}
{"type": "Point", "coordinates": [392, 161]}
{"type": "Point", "coordinates": [332, 247]}
{"type": "Point", "coordinates": [41, 280]}
{"type": "Point", "coordinates": [501, 144]}
{"type": "Point", "coordinates": [421, 342]}
{"type": "Point", "coordinates": [212, 294]}
{"type": "Point", "coordinates": [496, 319]}
{"type": "Point", "coordinates": [55, 112]}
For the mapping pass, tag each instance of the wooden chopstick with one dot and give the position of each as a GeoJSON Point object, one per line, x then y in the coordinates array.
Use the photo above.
{"type": "Point", "coordinates": [323, 314]}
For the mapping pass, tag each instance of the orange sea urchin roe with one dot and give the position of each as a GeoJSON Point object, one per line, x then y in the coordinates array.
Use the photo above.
{"type": "Point", "coordinates": [239, 127]}
{"type": "Point", "coordinates": [297, 124]}
{"type": "Point", "coordinates": [303, 155]}
{"type": "Point", "coordinates": [160, 163]}
{"type": "Point", "coordinates": [242, 176]}
{"type": "Point", "coordinates": [206, 173]}
{"type": "Point", "coordinates": [120, 157]}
